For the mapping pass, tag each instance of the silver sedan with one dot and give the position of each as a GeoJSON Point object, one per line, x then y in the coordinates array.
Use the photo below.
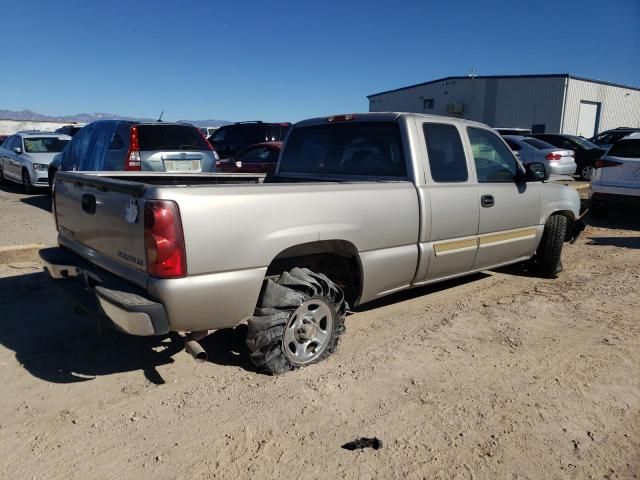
{"type": "Point", "coordinates": [530, 150]}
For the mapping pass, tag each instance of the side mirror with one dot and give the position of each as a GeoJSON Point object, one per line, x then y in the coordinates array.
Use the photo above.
{"type": "Point", "coordinates": [536, 172]}
{"type": "Point", "coordinates": [18, 150]}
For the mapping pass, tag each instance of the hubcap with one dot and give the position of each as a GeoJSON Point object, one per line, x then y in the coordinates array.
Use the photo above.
{"type": "Point", "coordinates": [308, 331]}
{"type": "Point", "coordinates": [587, 172]}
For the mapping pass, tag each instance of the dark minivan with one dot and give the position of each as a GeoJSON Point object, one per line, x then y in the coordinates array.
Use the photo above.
{"type": "Point", "coordinates": [117, 145]}
{"type": "Point", "coordinates": [229, 139]}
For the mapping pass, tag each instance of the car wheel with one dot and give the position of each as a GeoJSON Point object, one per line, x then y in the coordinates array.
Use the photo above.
{"type": "Point", "coordinates": [547, 258]}
{"type": "Point", "coordinates": [586, 172]}
{"type": "Point", "coordinates": [298, 321]}
{"type": "Point", "coordinates": [26, 181]}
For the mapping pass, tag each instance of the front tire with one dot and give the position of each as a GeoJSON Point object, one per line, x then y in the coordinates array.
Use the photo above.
{"type": "Point", "coordinates": [26, 182]}
{"type": "Point", "coordinates": [298, 321]}
{"type": "Point", "coordinates": [548, 256]}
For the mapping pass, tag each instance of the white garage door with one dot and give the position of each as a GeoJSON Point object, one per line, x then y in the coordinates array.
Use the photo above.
{"type": "Point", "coordinates": [587, 118]}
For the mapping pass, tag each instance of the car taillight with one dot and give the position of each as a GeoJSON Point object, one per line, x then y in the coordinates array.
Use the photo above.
{"type": "Point", "coordinates": [603, 163]}
{"type": "Point", "coordinates": [553, 156]}
{"type": "Point", "coordinates": [132, 161]}
{"type": "Point", "coordinates": [164, 240]}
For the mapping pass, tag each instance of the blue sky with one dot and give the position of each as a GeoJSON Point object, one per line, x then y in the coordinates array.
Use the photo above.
{"type": "Point", "coordinates": [287, 60]}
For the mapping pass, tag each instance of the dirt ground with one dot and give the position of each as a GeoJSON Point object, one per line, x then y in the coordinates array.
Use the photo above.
{"type": "Point", "coordinates": [500, 376]}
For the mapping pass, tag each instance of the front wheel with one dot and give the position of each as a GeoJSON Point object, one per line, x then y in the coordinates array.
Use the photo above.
{"type": "Point", "coordinates": [298, 321]}
{"type": "Point", "coordinates": [547, 258]}
{"type": "Point", "coordinates": [26, 182]}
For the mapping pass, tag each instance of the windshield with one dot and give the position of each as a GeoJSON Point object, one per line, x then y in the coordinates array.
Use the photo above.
{"type": "Point", "coordinates": [583, 142]}
{"type": "Point", "coordinates": [539, 144]}
{"type": "Point", "coordinates": [170, 137]}
{"type": "Point", "coordinates": [44, 144]}
{"type": "Point", "coordinates": [365, 149]}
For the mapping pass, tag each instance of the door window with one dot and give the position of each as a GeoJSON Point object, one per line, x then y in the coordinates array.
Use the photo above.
{"type": "Point", "coordinates": [447, 161]}
{"type": "Point", "coordinates": [255, 155]}
{"type": "Point", "coordinates": [494, 162]}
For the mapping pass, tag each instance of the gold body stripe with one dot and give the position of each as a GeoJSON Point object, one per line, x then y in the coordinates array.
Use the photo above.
{"type": "Point", "coordinates": [482, 240]}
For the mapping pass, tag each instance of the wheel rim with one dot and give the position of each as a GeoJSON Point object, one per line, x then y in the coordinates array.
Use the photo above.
{"type": "Point", "coordinates": [587, 171]}
{"type": "Point", "coordinates": [308, 331]}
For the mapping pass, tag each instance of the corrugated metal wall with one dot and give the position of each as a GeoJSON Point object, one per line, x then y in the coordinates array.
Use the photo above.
{"type": "Point", "coordinates": [499, 102]}
{"type": "Point", "coordinates": [619, 106]}
{"type": "Point", "coordinates": [9, 127]}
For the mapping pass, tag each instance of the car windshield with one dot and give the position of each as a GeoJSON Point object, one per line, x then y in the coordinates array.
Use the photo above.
{"type": "Point", "coordinates": [626, 148]}
{"type": "Point", "coordinates": [44, 144]}
{"type": "Point", "coordinates": [170, 137]}
{"type": "Point", "coordinates": [583, 142]}
{"type": "Point", "coordinates": [539, 144]}
{"type": "Point", "coordinates": [358, 148]}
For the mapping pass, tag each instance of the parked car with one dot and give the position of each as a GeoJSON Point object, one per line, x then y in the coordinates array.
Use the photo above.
{"type": "Point", "coordinates": [117, 145]}
{"type": "Point", "coordinates": [361, 206]}
{"type": "Point", "coordinates": [3, 138]}
{"type": "Point", "coordinates": [512, 131]}
{"type": "Point", "coordinates": [25, 157]}
{"type": "Point", "coordinates": [70, 130]}
{"type": "Point", "coordinates": [259, 158]}
{"type": "Point", "coordinates": [609, 137]}
{"type": "Point", "coordinates": [616, 178]}
{"type": "Point", "coordinates": [586, 153]}
{"type": "Point", "coordinates": [230, 139]}
{"type": "Point", "coordinates": [530, 150]}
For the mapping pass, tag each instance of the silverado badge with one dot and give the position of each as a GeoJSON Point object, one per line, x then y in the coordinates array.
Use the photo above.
{"type": "Point", "coordinates": [131, 211]}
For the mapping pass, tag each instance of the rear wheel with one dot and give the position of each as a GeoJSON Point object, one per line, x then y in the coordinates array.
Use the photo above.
{"type": "Point", "coordinates": [586, 172]}
{"type": "Point", "coordinates": [26, 181]}
{"type": "Point", "coordinates": [547, 259]}
{"type": "Point", "coordinates": [298, 321]}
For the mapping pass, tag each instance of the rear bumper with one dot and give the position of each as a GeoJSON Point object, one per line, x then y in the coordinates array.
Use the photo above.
{"type": "Point", "coordinates": [562, 169]}
{"type": "Point", "coordinates": [100, 292]}
{"type": "Point", "coordinates": [613, 200]}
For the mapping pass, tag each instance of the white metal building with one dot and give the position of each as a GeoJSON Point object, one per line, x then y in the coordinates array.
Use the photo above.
{"type": "Point", "coordinates": [543, 103]}
{"type": "Point", "coordinates": [9, 126]}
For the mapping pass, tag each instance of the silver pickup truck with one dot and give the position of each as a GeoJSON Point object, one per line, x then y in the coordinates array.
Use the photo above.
{"type": "Point", "coordinates": [361, 206]}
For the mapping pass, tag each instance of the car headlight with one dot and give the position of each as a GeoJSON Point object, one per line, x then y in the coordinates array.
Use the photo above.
{"type": "Point", "coordinates": [39, 166]}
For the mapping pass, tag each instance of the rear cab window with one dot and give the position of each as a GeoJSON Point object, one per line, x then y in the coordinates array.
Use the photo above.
{"type": "Point", "coordinates": [170, 137]}
{"type": "Point", "coordinates": [447, 160]}
{"type": "Point", "coordinates": [363, 149]}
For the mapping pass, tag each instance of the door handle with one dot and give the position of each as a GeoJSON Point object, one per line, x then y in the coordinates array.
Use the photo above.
{"type": "Point", "coordinates": [487, 201]}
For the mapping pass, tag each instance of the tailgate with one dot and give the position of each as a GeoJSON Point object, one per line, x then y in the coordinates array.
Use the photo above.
{"type": "Point", "coordinates": [627, 174]}
{"type": "Point", "coordinates": [103, 214]}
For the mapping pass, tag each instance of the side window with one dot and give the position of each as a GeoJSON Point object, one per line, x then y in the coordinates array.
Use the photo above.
{"type": "Point", "coordinates": [447, 161]}
{"type": "Point", "coordinates": [117, 143]}
{"type": "Point", "coordinates": [254, 155]}
{"type": "Point", "coordinates": [513, 145]}
{"type": "Point", "coordinates": [494, 162]}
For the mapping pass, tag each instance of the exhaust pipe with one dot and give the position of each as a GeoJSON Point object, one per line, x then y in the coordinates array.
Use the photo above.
{"type": "Point", "coordinates": [193, 347]}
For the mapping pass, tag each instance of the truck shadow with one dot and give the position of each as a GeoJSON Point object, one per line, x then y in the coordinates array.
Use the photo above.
{"type": "Point", "coordinates": [623, 242]}
{"type": "Point", "coordinates": [39, 201]}
{"type": "Point", "coordinates": [55, 344]}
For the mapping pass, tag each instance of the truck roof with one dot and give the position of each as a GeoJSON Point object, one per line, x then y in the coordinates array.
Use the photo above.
{"type": "Point", "coordinates": [389, 117]}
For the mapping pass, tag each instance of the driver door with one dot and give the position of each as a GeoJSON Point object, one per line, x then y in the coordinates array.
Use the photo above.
{"type": "Point", "coordinates": [509, 212]}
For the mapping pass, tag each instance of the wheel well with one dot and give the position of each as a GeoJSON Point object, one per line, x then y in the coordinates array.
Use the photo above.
{"type": "Point", "coordinates": [337, 259]}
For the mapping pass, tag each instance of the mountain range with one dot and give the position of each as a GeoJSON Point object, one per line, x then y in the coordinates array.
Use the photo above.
{"type": "Point", "coordinates": [29, 115]}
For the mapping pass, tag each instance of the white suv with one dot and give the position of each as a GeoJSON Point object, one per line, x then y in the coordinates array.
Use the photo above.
{"type": "Point", "coordinates": [616, 179]}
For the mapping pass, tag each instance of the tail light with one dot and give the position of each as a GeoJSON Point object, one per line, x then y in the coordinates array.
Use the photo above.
{"type": "Point", "coordinates": [603, 163]}
{"type": "Point", "coordinates": [164, 240]}
{"type": "Point", "coordinates": [132, 161]}
{"type": "Point", "coordinates": [342, 118]}
{"type": "Point", "coordinates": [553, 156]}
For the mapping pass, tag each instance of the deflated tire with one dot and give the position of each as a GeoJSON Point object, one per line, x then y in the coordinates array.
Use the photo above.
{"type": "Point", "coordinates": [298, 321]}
